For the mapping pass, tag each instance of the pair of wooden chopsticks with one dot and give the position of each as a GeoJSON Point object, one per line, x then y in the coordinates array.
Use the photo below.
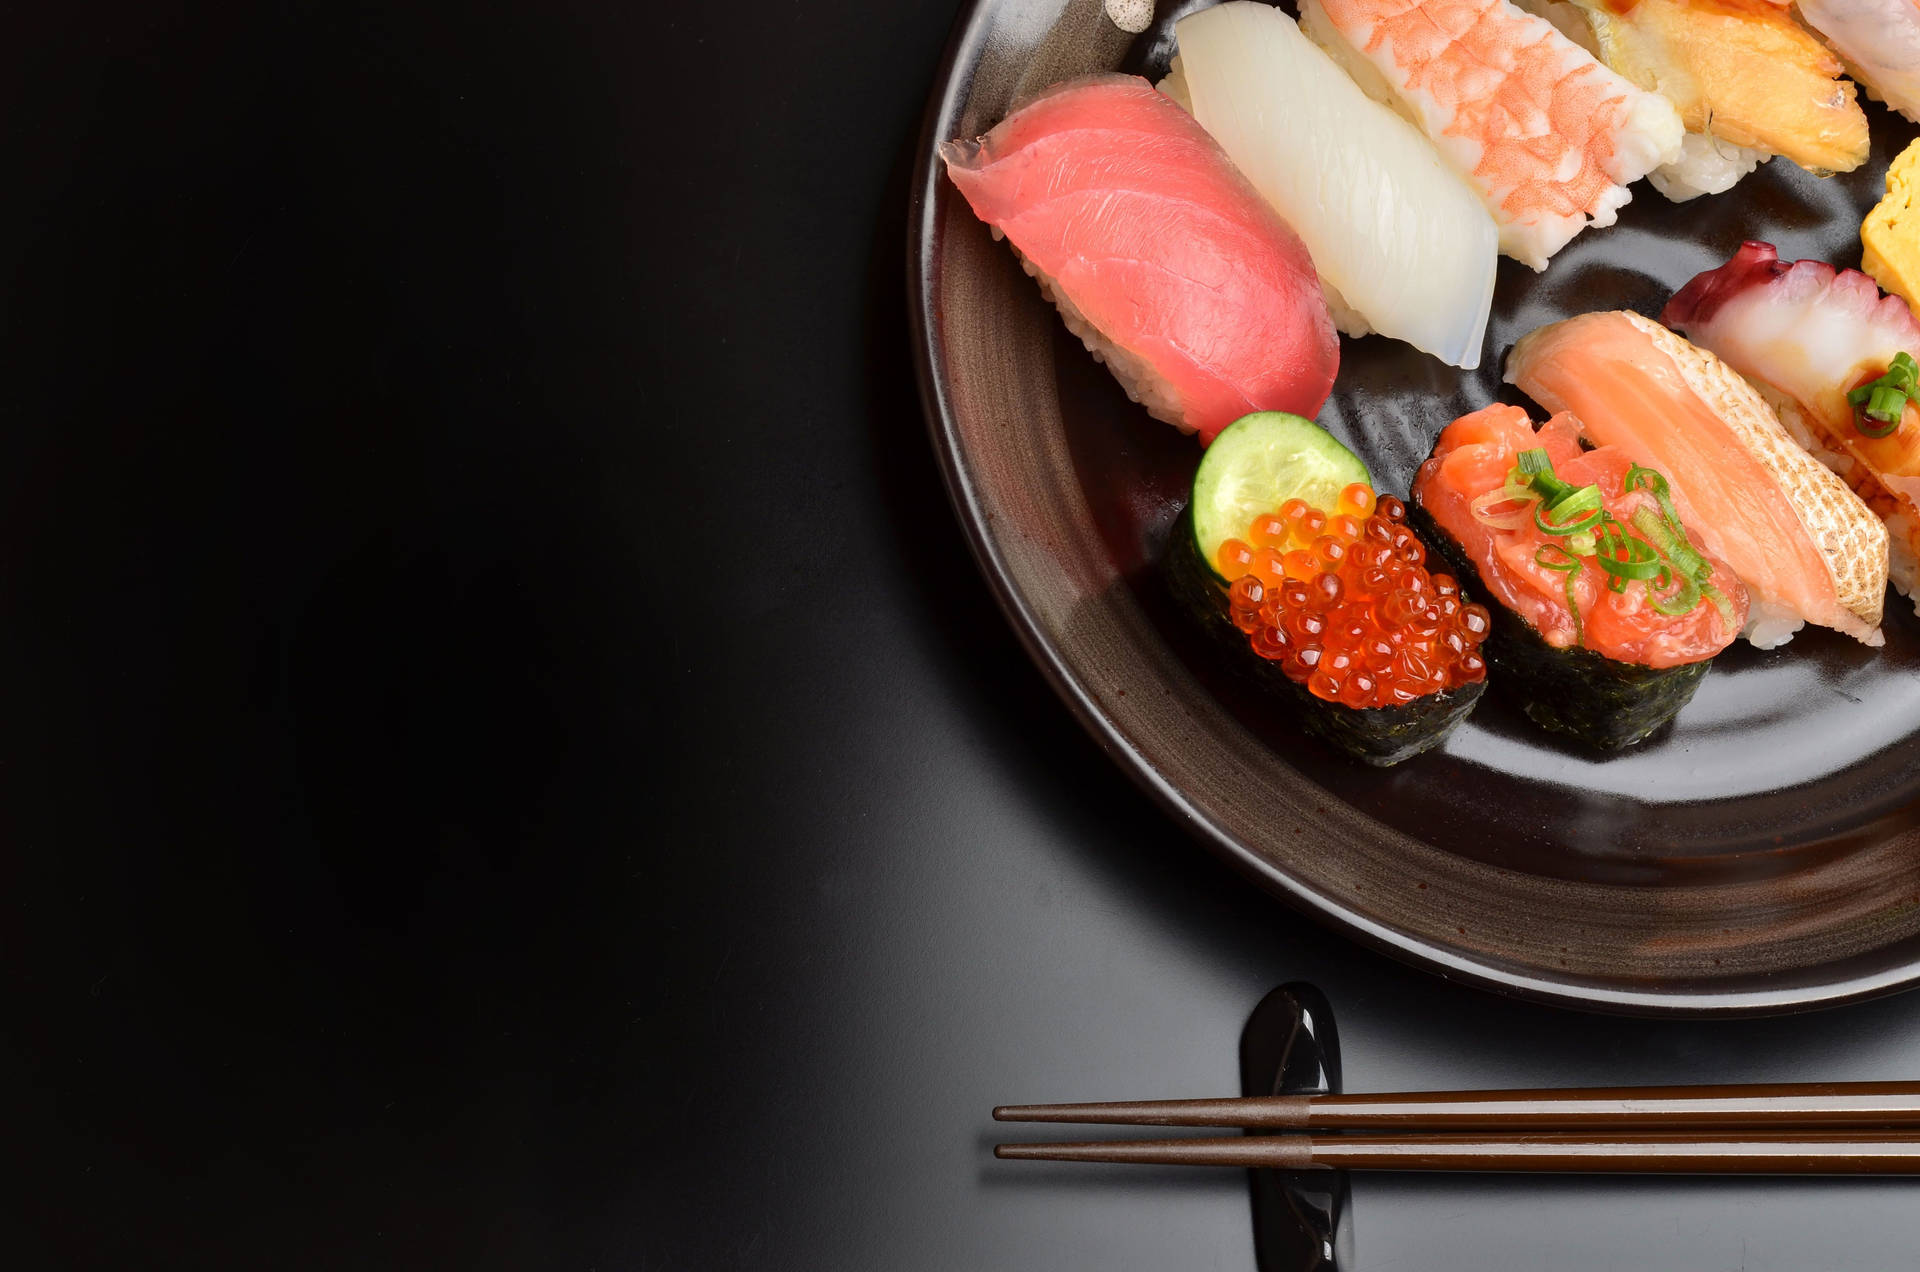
{"type": "Point", "coordinates": [1827, 1128]}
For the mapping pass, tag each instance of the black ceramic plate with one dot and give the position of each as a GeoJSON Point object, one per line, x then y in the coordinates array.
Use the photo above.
{"type": "Point", "coordinates": [1759, 854]}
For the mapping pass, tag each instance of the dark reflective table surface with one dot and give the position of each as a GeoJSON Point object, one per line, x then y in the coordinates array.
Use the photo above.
{"type": "Point", "coordinates": [506, 761]}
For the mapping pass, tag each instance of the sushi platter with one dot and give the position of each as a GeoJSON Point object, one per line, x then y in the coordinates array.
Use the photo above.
{"type": "Point", "coordinates": [1528, 582]}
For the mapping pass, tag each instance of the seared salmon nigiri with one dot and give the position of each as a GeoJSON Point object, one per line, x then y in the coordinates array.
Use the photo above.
{"type": "Point", "coordinates": [1807, 548]}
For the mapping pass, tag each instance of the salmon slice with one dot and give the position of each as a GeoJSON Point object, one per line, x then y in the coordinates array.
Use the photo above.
{"type": "Point", "coordinates": [1548, 136]}
{"type": "Point", "coordinates": [1880, 41]}
{"type": "Point", "coordinates": [1805, 334]}
{"type": "Point", "coordinates": [1472, 459]}
{"type": "Point", "coordinates": [1161, 257]}
{"type": "Point", "coordinates": [1806, 547]}
{"type": "Point", "coordinates": [1741, 70]}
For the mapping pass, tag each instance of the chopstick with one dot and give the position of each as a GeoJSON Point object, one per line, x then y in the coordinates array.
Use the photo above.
{"type": "Point", "coordinates": [1827, 1105]}
{"type": "Point", "coordinates": [1780, 1153]}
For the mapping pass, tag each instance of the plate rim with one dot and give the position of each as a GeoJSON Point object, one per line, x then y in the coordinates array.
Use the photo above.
{"type": "Point", "coordinates": [1571, 992]}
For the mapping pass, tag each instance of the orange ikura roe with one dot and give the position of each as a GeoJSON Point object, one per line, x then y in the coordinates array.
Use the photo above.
{"type": "Point", "coordinates": [1344, 603]}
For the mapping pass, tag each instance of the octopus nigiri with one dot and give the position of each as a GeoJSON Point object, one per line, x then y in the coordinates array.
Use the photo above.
{"type": "Point", "coordinates": [1159, 254]}
{"type": "Point", "coordinates": [1548, 136]}
{"type": "Point", "coordinates": [1808, 334]}
{"type": "Point", "coordinates": [1807, 548]}
{"type": "Point", "coordinates": [1880, 40]}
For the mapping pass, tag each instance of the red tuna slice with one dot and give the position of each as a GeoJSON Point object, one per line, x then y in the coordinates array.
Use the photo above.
{"type": "Point", "coordinates": [1159, 253]}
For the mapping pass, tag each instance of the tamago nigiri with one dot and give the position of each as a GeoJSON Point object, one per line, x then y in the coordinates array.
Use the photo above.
{"type": "Point", "coordinates": [1161, 257]}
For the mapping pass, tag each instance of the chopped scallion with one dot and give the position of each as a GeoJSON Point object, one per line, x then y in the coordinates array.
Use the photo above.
{"type": "Point", "coordinates": [1680, 601]}
{"type": "Point", "coordinates": [1535, 461]}
{"type": "Point", "coordinates": [1881, 404]}
{"type": "Point", "coordinates": [1571, 511]}
{"type": "Point", "coordinates": [1626, 558]}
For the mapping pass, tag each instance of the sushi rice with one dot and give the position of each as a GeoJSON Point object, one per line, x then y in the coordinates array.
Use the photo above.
{"type": "Point", "coordinates": [1136, 375]}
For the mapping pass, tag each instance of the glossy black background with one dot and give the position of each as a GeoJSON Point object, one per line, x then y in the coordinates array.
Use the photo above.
{"type": "Point", "coordinates": [505, 759]}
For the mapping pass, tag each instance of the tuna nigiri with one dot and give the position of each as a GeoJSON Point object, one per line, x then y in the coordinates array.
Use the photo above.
{"type": "Point", "coordinates": [1747, 74]}
{"type": "Point", "coordinates": [1548, 137]}
{"type": "Point", "coordinates": [1160, 256]}
{"type": "Point", "coordinates": [1401, 242]}
{"type": "Point", "coordinates": [1880, 40]}
{"type": "Point", "coordinates": [1806, 547]}
{"type": "Point", "coordinates": [1607, 608]}
{"type": "Point", "coordinates": [1806, 334]}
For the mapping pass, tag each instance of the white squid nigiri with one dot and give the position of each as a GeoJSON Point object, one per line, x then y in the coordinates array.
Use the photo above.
{"type": "Point", "coordinates": [1880, 40]}
{"type": "Point", "coordinates": [1402, 245]}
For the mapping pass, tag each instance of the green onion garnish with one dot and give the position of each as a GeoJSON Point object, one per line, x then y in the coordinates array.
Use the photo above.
{"type": "Point", "coordinates": [1720, 602]}
{"type": "Point", "coordinates": [1653, 483]}
{"type": "Point", "coordinates": [1502, 509]}
{"type": "Point", "coordinates": [1625, 558]}
{"type": "Point", "coordinates": [1672, 544]}
{"type": "Point", "coordinates": [1880, 405]}
{"type": "Point", "coordinates": [1669, 538]}
{"type": "Point", "coordinates": [1675, 572]}
{"type": "Point", "coordinates": [1535, 461]}
{"type": "Point", "coordinates": [1573, 510]}
{"type": "Point", "coordinates": [1680, 601]}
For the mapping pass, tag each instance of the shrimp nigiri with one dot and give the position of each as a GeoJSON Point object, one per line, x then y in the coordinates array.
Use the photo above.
{"type": "Point", "coordinates": [1548, 136]}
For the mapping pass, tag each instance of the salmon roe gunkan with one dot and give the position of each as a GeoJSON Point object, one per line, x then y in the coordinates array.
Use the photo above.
{"type": "Point", "coordinates": [1343, 601]}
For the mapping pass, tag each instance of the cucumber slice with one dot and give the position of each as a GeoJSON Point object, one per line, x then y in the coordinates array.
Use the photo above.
{"type": "Point", "coordinates": [1257, 463]}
